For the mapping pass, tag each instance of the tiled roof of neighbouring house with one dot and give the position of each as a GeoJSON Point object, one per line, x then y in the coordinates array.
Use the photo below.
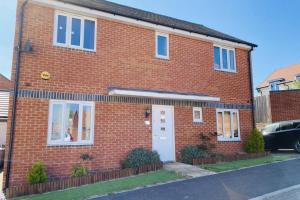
{"type": "Point", "coordinates": [286, 74]}
{"type": "Point", "coordinates": [125, 11]}
{"type": "Point", "coordinates": [5, 83]}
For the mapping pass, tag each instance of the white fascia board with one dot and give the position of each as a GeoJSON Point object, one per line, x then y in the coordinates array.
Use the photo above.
{"type": "Point", "coordinates": [99, 14]}
{"type": "Point", "coordinates": [149, 94]}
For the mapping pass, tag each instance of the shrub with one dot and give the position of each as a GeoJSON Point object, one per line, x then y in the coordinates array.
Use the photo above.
{"type": "Point", "coordinates": [140, 157]}
{"type": "Point", "coordinates": [79, 171]}
{"type": "Point", "coordinates": [190, 152]}
{"type": "Point", "coordinates": [255, 142]}
{"type": "Point", "coordinates": [37, 174]}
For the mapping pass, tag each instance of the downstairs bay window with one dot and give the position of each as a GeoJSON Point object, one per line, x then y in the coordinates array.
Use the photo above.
{"type": "Point", "coordinates": [228, 127]}
{"type": "Point", "coordinates": [71, 123]}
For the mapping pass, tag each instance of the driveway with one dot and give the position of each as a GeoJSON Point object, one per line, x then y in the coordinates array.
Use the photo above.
{"type": "Point", "coordinates": [235, 185]}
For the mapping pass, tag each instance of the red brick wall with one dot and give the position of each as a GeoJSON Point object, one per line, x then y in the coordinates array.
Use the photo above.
{"type": "Point", "coordinates": [125, 57]}
{"type": "Point", "coordinates": [118, 129]}
{"type": "Point", "coordinates": [285, 105]}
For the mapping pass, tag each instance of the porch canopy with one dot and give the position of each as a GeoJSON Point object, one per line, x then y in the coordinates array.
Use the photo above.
{"type": "Point", "coordinates": [160, 94]}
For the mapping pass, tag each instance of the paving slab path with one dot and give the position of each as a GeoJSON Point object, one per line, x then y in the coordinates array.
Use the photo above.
{"type": "Point", "coordinates": [186, 170]}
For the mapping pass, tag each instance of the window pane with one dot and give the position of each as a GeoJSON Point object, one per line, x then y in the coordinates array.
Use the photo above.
{"type": "Point", "coordinates": [86, 122]}
{"type": "Point", "coordinates": [224, 58]}
{"type": "Point", "coordinates": [274, 86]}
{"type": "Point", "coordinates": [56, 122]}
{"type": "Point", "coordinates": [71, 123]}
{"type": "Point", "coordinates": [220, 124]}
{"type": "Point", "coordinates": [197, 114]}
{"type": "Point", "coordinates": [235, 125]}
{"type": "Point", "coordinates": [217, 62]}
{"type": "Point", "coordinates": [162, 45]}
{"type": "Point", "coordinates": [231, 57]}
{"type": "Point", "coordinates": [61, 29]}
{"type": "Point", "coordinates": [75, 34]}
{"type": "Point", "coordinates": [296, 124]}
{"type": "Point", "coordinates": [286, 126]}
{"type": "Point", "coordinates": [89, 34]}
{"type": "Point", "coordinates": [227, 124]}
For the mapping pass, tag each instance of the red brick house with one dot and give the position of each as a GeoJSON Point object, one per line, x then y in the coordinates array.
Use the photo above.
{"type": "Point", "coordinates": [5, 87]}
{"type": "Point", "coordinates": [101, 78]}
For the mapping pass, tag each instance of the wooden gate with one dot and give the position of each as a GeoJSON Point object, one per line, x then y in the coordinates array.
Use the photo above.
{"type": "Point", "coordinates": [263, 109]}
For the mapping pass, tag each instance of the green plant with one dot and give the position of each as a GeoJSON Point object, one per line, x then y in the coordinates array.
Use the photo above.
{"type": "Point", "coordinates": [205, 141]}
{"type": "Point", "coordinates": [79, 171]}
{"type": "Point", "coordinates": [255, 142]}
{"type": "Point", "coordinates": [86, 157]}
{"type": "Point", "coordinates": [140, 157]}
{"type": "Point", "coordinates": [190, 152]}
{"type": "Point", "coordinates": [37, 174]}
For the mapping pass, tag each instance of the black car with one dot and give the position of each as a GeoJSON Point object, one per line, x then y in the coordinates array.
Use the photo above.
{"type": "Point", "coordinates": [282, 135]}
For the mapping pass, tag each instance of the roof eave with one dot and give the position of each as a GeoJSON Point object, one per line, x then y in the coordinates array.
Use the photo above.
{"type": "Point", "coordinates": [250, 45]}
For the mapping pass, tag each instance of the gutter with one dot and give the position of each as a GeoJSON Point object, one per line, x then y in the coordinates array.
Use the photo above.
{"type": "Point", "coordinates": [74, 6]}
{"type": "Point", "coordinates": [15, 94]}
{"type": "Point", "coordinates": [251, 87]}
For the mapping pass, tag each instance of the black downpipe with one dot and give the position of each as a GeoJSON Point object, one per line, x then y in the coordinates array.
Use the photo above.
{"type": "Point", "coordinates": [251, 87]}
{"type": "Point", "coordinates": [15, 94]}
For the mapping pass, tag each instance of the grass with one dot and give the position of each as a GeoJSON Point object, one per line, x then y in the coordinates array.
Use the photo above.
{"type": "Point", "coordinates": [220, 167]}
{"type": "Point", "coordinates": [107, 187]}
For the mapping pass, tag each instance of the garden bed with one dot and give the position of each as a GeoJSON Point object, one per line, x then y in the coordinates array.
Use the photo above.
{"type": "Point", "coordinates": [108, 187]}
{"type": "Point", "coordinates": [229, 158]}
{"type": "Point", "coordinates": [70, 182]}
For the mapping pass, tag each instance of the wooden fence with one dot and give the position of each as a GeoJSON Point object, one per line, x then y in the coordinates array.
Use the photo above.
{"type": "Point", "coordinates": [69, 182]}
{"type": "Point", "coordinates": [263, 109]}
{"type": "Point", "coordinates": [229, 158]}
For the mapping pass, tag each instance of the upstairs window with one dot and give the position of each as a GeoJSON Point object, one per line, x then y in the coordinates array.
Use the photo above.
{"type": "Point", "coordinates": [298, 77]}
{"type": "Point", "coordinates": [274, 85]}
{"type": "Point", "coordinates": [224, 59]}
{"type": "Point", "coordinates": [162, 45]}
{"type": "Point", "coordinates": [75, 32]}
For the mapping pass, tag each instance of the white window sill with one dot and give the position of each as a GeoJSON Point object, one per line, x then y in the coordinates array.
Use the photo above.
{"type": "Point", "coordinates": [70, 144]}
{"type": "Point", "coordinates": [223, 70]}
{"type": "Point", "coordinates": [163, 57]}
{"type": "Point", "coordinates": [221, 139]}
{"type": "Point", "coordinates": [198, 122]}
{"type": "Point", "coordinates": [74, 48]}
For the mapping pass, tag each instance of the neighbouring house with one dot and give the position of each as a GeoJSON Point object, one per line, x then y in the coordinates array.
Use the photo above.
{"type": "Point", "coordinates": [102, 79]}
{"type": "Point", "coordinates": [5, 87]}
{"type": "Point", "coordinates": [281, 79]}
{"type": "Point", "coordinates": [278, 96]}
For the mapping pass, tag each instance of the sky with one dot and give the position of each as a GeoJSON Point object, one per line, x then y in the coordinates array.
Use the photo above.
{"type": "Point", "coordinates": [271, 24]}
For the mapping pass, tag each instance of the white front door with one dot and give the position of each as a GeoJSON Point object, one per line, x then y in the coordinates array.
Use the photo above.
{"type": "Point", "coordinates": [163, 132]}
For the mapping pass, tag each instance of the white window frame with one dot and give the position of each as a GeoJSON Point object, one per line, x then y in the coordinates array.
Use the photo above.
{"type": "Point", "coordinates": [62, 142]}
{"type": "Point", "coordinates": [69, 30]}
{"type": "Point", "coordinates": [197, 109]}
{"type": "Point", "coordinates": [228, 59]}
{"type": "Point", "coordinates": [232, 139]}
{"type": "Point", "coordinates": [277, 83]}
{"type": "Point", "coordinates": [167, 57]}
